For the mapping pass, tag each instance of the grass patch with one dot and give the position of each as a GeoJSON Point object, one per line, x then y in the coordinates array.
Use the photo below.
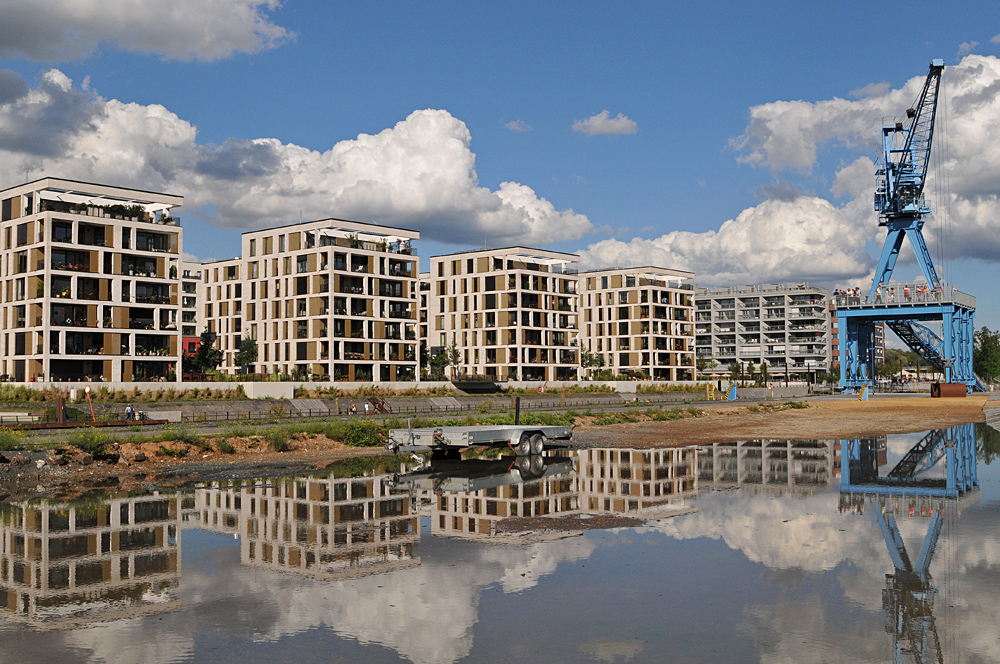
{"type": "Point", "coordinates": [11, 440]}
{"type": "Point", "coordinates": [366, 433]}
{"type": "Point", "coordinates": [224, 446]}
{"type": "Point", "coordinates": [279, 438]}
{"type": "Point", "coordinates": [92, 441]}
{"type": "Point", "coordinates": [172, 453]}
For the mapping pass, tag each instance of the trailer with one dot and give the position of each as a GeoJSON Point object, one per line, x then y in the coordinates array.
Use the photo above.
{"type": "Point", "coordinates": [524, 439]}
{"type": "Point", "coordinates": [471, 475]}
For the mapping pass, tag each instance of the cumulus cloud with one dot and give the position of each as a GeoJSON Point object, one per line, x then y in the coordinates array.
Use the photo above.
{"type": "Point", "coordinates": [777, 240]}
{"type": "Point", "coordinates": [795, 237]}
{"type": "Point", "coordinates": [995, 39]}
{"type": "Point", "coordinates": [967, 47]}
{"type": "Point", "coordinates": [419, 173]}
{"type": "Point", "coordinates": [870, 90]}
{"type": "Point", "coordinates": [603, 123]}
{"type": "Point", "coordinates": [518, 126]}
{"type": "Point", "coordinates": [59, 30]}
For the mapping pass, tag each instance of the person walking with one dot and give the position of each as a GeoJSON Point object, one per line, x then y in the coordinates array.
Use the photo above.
{"type": "Point", "coordinates": [366, 408]}
{"type": "Point", "coordinates": [128, 412]}
{"type": "Point", "coordinates": [353, 410]}
{"type": "Point", "coordinates": [906, 293]}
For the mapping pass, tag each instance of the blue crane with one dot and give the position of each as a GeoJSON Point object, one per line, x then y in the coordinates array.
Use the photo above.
{"type": "Point", "coordinates": [899, 200]}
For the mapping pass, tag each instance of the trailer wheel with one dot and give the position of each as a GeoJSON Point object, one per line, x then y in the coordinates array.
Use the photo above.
{"type": "Point", "coordinates": [537, 466]}
{"type": "Point", "coordinates": [523, 465]}
{"type": "Point", "coordinates": [537, 443]}
{"type": "Point", "coordinates": [523, 447]}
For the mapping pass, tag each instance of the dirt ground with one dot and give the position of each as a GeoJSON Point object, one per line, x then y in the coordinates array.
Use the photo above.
{"type": "Point", "coordinates": [823, 418]}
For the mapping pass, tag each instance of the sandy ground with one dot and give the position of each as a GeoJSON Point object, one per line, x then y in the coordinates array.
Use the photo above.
{"type": "Point", "coordinates": [828, 418]}
{"type": "Point", "coordinates": [824, 418]}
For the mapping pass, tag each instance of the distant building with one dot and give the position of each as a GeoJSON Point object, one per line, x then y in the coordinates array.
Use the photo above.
{"type": "Point", "coordinates": [639, 321]}
{"type": "Point", "coordinates": [878, 346]}
{"type": "Point", "coordinates": [511, 312]}
{"type": "Point", "coordinates": [785, 326]}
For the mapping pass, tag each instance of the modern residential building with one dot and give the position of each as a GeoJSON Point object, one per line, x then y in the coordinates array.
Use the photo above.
{"type": "Point", "coordinates": [424, 287]}
{"type": "Point", "coordinates": [639, 321]}
{"type": "Point", "coordinates": [192, 294]}
{"type": "Point", "coordinates": [330, 298]}
{"type": "Point", "coordinates": [91, 283]}
{"type": "Point", "coordinates": [649, 484]}
{"type": "Point", "coordinates": [786, 326]}
{"type": "Point", "coordinates": [511, 312]}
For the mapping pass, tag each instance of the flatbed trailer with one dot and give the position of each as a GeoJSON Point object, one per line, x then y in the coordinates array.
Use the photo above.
{"type": "Point", "coordinates": [524, 439]}
{"type": "Point", "coordinates": [471, 475]}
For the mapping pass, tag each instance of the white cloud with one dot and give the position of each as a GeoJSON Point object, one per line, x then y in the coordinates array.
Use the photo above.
{"type": "Point", "coordinates": [967, 47]}
{"type": "Point", "coordinates": [793, 237]}
{"type": "Point", "coordinates": [602, 123]}
{"type": "Point", "coordinates": [777, 240]}
{"type": "Point", "coordinates": [518, 126]}
{"type": "Point", "coordinates": [870, 90]}
{"type": "Point", "coordinates": [59, 30]}
{"type": "Point", "coordinates": [419, 174]}
{"type": "Point", "coordinates": [995, 39]}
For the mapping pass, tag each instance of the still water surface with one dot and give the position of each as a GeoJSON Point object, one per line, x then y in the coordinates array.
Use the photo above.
{"type": "Point", "coordinates": [749, 552]}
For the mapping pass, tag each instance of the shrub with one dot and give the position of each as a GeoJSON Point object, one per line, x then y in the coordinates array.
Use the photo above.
{"type": "Point", "coordinates": [92, 441]}
{"type": "Point", "coordinates": [10, 439]}
{"type": "Point", "coordinates": [225, 446]}
{"type": "Point", "coordinates": [278, 439]}
{"type": "Point", "coordinates": [365, 433]}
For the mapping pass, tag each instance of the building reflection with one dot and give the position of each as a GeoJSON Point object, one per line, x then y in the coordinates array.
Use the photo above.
{"type": "Point", "coordinates": [775, 467]}
{"type": "Point", "coordinates": [65, 565]}
{"type": "Point", "coordinates": [470, 498]}
{"type": "Point", "coordinates": [932, 481]}
{"type": "Point", "coordinates": [326, 527]}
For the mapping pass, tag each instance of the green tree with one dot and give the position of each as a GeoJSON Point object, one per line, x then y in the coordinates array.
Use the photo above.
{"type": "Point", "coordinates": [454, 358]}
{"type": "Point", "coordinates": [247, 354]}
{"type": "Point", "coordinates": [704, 365]}
{"type": "Point", "coordinates": [590, 360]}
{"type": "Point", "coordinates": [735, 371]}
{"type": "Point", "coordinates": [986, 354]}
{"type": "Point", "coordinates": [764, 377]}
{"type": "Point", "coordinates": [207, 358]}
{"type": "Point", "coordinates": [438, 363]}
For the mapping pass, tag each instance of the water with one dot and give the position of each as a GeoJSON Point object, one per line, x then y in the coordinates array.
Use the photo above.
{"type": "Point", "coordinates": [730, 553]}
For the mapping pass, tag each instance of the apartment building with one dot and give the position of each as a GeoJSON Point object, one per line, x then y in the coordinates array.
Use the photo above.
{"type": "Point", "coordinates": [90, 283]}
{"type": "Point", "coordinates": [651, 484]}
{"type": "Point", "coordinates": [639, 321]}
{"type": "Point", "coordinates": [511, 312]}
{"type": "Point", "coordinates": [424, 287]}
{"type": "Point", "coordinates": [330, 298]}
{"type": "Point", "coordinates": [785, 326]}
{"type": "Point", "coordinates": [192, 293]}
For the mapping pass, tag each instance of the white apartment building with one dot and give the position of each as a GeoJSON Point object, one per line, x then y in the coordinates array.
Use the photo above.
{"type": "Point", "coordinates": [91, 283]}
{"type": "Point", "coordinates": [786, 326]}
{"type": "Point", "coordinates": [639, 321]}
{"type": "Point", "coordinates": [192, 294]}
{"type": "Point", "coordinates": [331, 298]}
{"type": "Point", "coordinates": [511, 312]}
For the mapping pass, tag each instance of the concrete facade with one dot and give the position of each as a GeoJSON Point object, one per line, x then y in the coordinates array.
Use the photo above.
{"type": "Point", "coordinates": [91, 283]}
{"type": "Point", "coordinates": [786, 326]}
{"type": "Point", "coordinates": [511, 312]}
{"type": "Point", "coordinates": [639, 321]}
{"type": "Point", "coordinates": [333, 299]}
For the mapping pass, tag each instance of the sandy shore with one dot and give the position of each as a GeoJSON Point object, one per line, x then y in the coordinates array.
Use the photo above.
{"type": "Point", "coordinates": [824, 418]}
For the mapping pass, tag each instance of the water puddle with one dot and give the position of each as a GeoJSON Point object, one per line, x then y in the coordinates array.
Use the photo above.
{"type": "Point", "coordinates": [874, 550]}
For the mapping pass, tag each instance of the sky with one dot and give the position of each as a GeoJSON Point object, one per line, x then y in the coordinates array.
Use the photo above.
{"type": "Point", "coordinates": [737, 144]}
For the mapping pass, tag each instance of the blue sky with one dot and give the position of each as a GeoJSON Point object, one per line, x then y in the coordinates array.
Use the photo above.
{"type": "Point", "coordinates": [768, 191]}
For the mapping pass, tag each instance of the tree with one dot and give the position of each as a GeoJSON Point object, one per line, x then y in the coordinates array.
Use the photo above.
{"type": "Point", "coordinates": [735, 371]}
{"type": "Point", "coordinates": [704, 365]}
{"type": "Point", "coordinates": [439, 362]}
{"type": "Point", "coordinates": [208, 357]}
{"type": "Point", "coordinates": [763, 372]}
{"type": "Point", "coordinates": [590, 360]}
{"type": "Point", "coordinates": [986, 354]}
{"type": "Point", "coordinates": [454, 358]}
{"type": "Point", "coordinates": [247, 354]}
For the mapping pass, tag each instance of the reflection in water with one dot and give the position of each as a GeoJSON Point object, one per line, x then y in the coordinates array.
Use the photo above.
{"type": "Point", "coordinates": [914, 487]}
{"type": "Point", "coordinates": [769, 535]}
{"type": "Point", "coordinates": [64, 565]}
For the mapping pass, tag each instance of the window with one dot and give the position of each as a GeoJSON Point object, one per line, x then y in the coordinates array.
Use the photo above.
{"type": "Point", "coordinates": [253, 248]}
{"type": "Point", "coordinates": [281, 243]}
